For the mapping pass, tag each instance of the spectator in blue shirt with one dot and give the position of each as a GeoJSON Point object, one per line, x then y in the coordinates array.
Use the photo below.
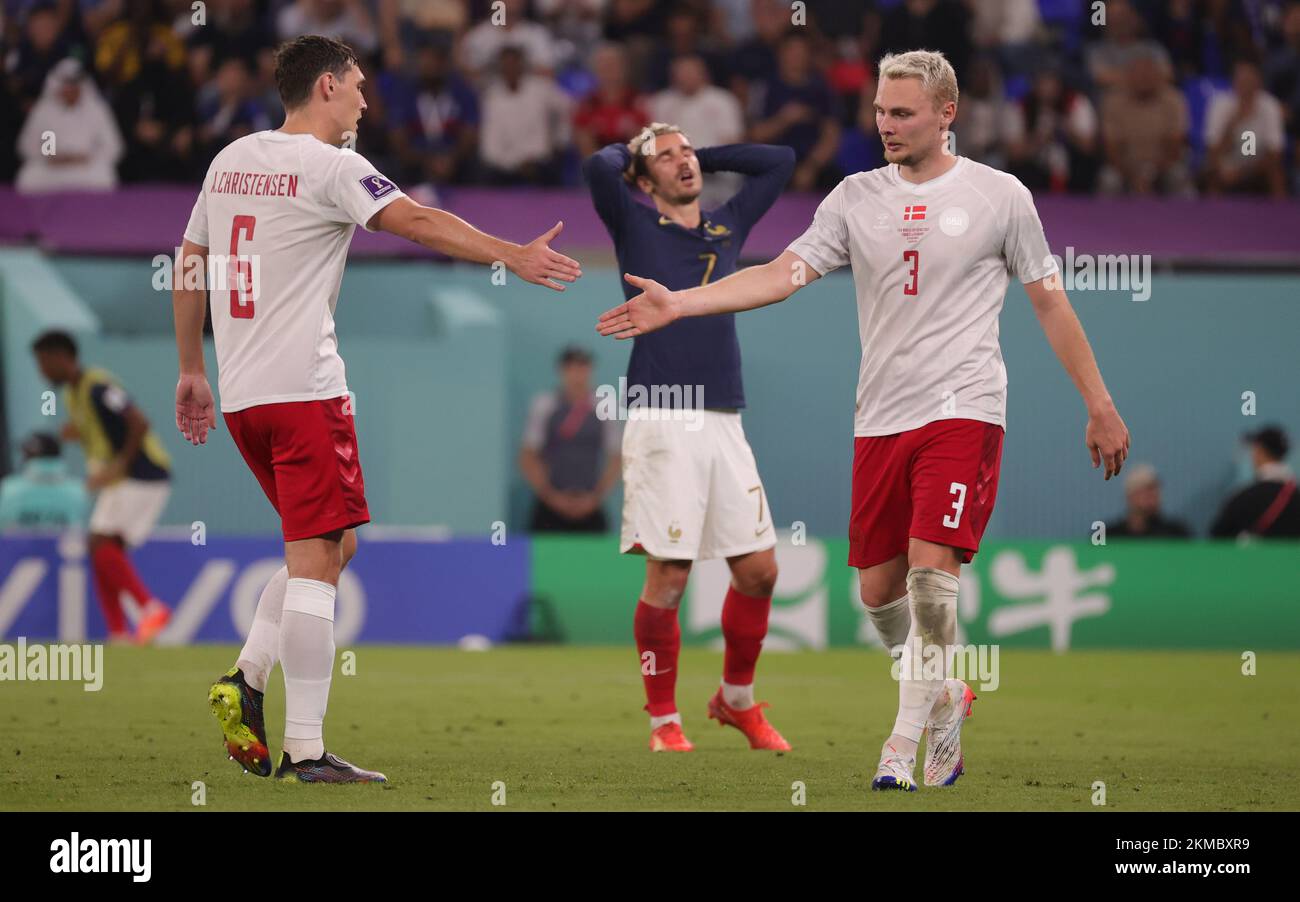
{"type": "Point", "coordinates": [433, 120]}
{"type": "Point", "coordinates": [799, 112]}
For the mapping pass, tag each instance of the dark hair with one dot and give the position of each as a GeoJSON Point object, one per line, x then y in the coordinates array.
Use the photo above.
{"type": "Point", "coordinates": [574, 354]}
{"type": "Point", "coordinates": [55, 340]}
{"type": "Point", "coordinates": [40, 444]}
{"type": "Point", "coordinates": [298, 63]}
{"type": "Point", "coordinates": [1272, 439]}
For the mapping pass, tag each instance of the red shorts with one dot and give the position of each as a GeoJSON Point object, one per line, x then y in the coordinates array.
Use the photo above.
{"type": "Point", "coordinates": [935, 483]}
{"type": "Point", "coordinates": [304, 455]}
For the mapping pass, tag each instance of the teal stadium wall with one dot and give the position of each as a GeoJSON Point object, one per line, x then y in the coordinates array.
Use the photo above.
{"type": "Point", "coordinates": [444, 364]}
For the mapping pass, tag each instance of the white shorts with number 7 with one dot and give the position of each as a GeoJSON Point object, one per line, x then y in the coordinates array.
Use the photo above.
{"type": "Point", "coordinates": [690, 487]}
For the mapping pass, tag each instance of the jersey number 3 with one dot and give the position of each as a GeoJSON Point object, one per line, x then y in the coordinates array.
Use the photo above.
{"type": "Point", "coordinates": [241, 272]}
{"type": "Point", "coordinates": [913, 258]}
{"type": "Point", "coordinates": [951, 520]}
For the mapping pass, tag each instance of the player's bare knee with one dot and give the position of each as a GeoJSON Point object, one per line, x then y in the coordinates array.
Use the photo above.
{"type": "Point", "coordinates": [319, 558]}
{"type": "Point", "coordinates": [883, 583]}
{"type": "Point", "coordinates": [877, 594]}
{"type": "Point", "coordinates": [756, 579]}
{"type": "Point", "coordinates": [933, 555]}
{"type": "Point", "coordinates": [666, 582]}
{"type": "Point", "coordinates": [670, 592]}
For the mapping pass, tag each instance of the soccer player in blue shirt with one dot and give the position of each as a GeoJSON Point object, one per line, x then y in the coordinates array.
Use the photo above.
{"type": "Point", "coordinates": [691, 487]}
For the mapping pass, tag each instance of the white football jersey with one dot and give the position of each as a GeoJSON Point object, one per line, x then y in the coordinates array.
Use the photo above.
{"type": "Point", "coordinates": [931, 264]}
{"type": "Point", "coordinates": [281, 209]}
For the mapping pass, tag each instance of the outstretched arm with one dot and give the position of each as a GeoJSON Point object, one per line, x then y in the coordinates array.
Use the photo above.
{"type": "Point", "coordinates": [755, 286]}
{"type": "Point", "coordinates": [1106, 436]}
{"type": "Point", "coordinates": [449, 234]}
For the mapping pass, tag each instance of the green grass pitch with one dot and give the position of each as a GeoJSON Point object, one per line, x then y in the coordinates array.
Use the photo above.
{"type": "Point", "coordinates": [562, 729]}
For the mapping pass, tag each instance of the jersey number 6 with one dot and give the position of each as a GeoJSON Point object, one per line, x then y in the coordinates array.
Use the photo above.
{"type": "Point", "coordinates": [241, 295]}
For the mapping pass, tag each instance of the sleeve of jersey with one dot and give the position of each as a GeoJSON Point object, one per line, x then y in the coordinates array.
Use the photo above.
{"type": "Point", "coordinates": [609, 193]}
{"type": "Point", "coordinates": [111, 402]}
{"type": "Point", "coordinates": [196, 232]}
{"type": "Point", "coordinates": [1028, 256]}
{"type": "Point", "coordinates": [825, 245]}
{"type": "Point", "coordinates": [354, 191]}
{"type": "Point", "coordinates": [768, 166]}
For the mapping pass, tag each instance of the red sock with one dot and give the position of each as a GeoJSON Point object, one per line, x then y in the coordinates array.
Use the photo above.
{"type": "Point", "coordinates": [658, 634]}
{"type": "Point", "coordinates": [744, 626]}
{"type": "Point", "coordinates": [109, 590]}
{"type": "Point", "coordinates": [122, 571]}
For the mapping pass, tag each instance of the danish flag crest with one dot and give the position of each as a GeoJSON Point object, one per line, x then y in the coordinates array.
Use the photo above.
{"type": "Point", "coordinates": [912, 213]}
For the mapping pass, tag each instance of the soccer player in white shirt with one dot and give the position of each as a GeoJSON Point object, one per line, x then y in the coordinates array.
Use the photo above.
{"type": "Point", "coordinates": [933, 240]}
{"type": "Point", "coordinates": [285, 204]}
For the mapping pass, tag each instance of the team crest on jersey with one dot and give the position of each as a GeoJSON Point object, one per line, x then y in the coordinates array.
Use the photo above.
{"type": "Point", "coordinates": [717, 231]}
{"type": "Point", "coordinates": [378, 186]}
{"type": "Point", "coordinates": [912, 230]}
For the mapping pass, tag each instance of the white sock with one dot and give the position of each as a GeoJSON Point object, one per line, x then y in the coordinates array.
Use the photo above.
{"type": "Point", "coordinates": [934, 624]}
{"type": "Point", "coordinates": [892, 621]}
{"type": "Point", "coordinates": [657, 722]}
{"type": "Point", "coordinates": [258, 657]}
{"type": "Point", "coordinates": [307, 659]}
{"type": "Point", "coordinates": [738, 697]}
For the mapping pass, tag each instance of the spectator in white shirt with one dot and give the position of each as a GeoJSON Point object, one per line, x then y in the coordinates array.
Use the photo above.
{"type": "Point", "coordinates": [525, 124]}
{"type": "Point", "coordinates": [70, 140]}
{"type": "Point", "coordinates": [709, 114]}
{"type": "Point", "coordinates": [1244, 137]}
{"type": "Point", "coordinates": [507, 26]}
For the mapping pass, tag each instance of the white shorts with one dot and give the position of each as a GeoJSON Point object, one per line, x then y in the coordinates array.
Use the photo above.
{"type": "Point", "coordinates": [691, 489]}
{"type": "Point", "coordinates": [130, 508]}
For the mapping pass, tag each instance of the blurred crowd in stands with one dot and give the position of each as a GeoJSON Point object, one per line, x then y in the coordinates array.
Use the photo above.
{"type": "Point", "coordinates": [1175, 97]}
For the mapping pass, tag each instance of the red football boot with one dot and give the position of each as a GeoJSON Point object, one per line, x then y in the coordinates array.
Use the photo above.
{"type": "Point", "coordinates": [670, 738]}
{"type": "Point", "coordinates": [751, 722]}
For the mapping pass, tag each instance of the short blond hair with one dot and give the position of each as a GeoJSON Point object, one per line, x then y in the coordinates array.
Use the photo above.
{"type": "Point", "coordinates": [933, 69]}
{"type": "Point", "coordinates": [637, 146]}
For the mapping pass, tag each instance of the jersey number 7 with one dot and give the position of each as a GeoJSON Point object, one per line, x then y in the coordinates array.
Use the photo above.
{"type": "Point", "coordinates": [241, 295]}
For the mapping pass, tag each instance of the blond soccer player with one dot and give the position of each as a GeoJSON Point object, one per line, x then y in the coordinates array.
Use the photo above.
{"type": "Point", "coordinates": [933, 240]}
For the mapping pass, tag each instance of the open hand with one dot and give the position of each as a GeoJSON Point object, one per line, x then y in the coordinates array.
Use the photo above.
{"type": "Point", "coordinates": [654, 308]}
{"type": "Point", "coordinates": [535, 262]}
{"type": "Point", "coordinates": [195, 409]}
